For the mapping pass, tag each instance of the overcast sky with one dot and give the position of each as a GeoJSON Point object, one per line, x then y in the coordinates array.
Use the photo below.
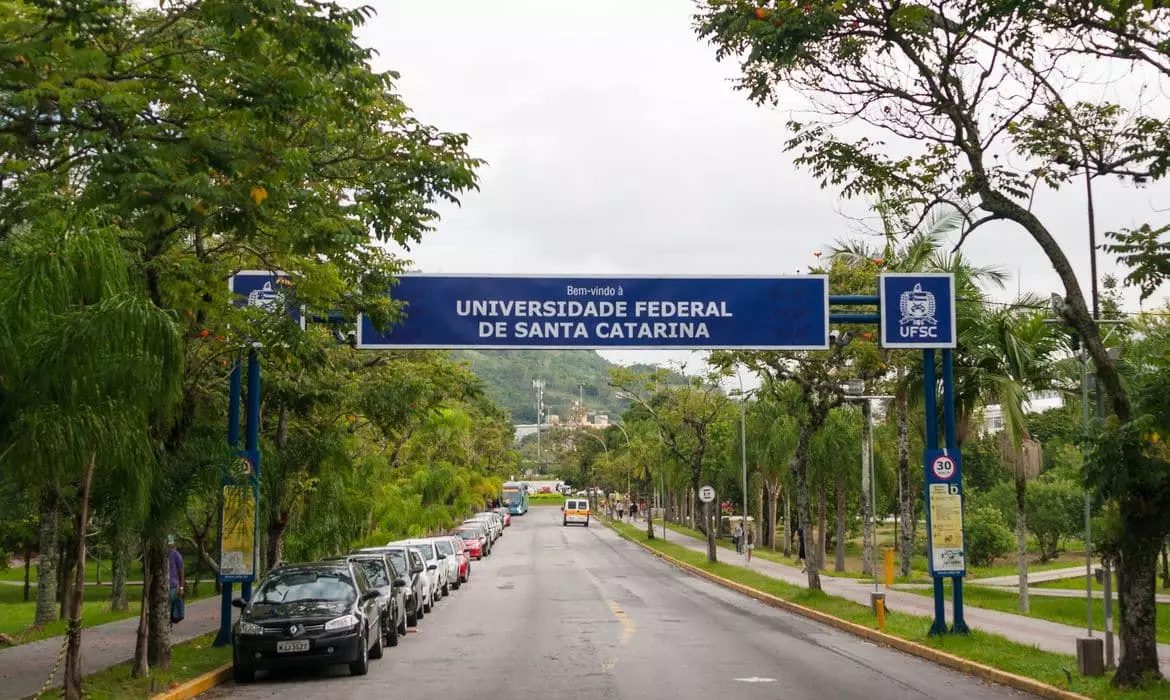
{"type": "Point", "coordinates": [615, 144]}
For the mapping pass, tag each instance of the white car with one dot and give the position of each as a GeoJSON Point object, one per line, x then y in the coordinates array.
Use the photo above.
{"type": "Point", "coordinates": [492, 521]}
{"type": "Point", "coordinates": [430, 552]}
{"type": "Point", "coordinates": [447, 548]}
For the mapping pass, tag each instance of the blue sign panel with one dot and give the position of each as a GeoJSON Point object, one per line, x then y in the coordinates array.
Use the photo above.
{"type": "Point", "coordinates": [918, 310]}
{"type": "Point", "coordinates": [266, 290]}
{"type": "Point", "coordinates": [771, 313]}
{"type": "Point", "coordinates": [944, 513]}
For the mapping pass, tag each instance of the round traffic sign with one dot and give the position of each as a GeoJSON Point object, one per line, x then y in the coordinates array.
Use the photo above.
{"type": "Point", "coordinates": [943, 467]}
{"type": "Point", "coordinates": [707, 494]}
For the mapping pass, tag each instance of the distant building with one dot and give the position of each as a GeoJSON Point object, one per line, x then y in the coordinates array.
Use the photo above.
{"type": "Point", "coordinates": [990, 418]}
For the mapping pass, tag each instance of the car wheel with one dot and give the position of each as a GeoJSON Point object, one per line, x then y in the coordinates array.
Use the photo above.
{"type": "Point", "coordinates": [403, 623]}
{"type": "Point", "coordinates": [392, 636]}
{"type": "Point", "coordinates": [241, 671]}
{"type": "Point", "coordinates": [362, 666]}
{"type": "Point", "coordinates": [376, 650]}
{"type": "Point", "coordinates": [458, 582]}
{"type": "Point", "coordinates": [586, 523]}
{"type": "Point", "coordinates": [446, 590]}
{"type": "Point", "coordinates": [413, 617]}
{"type": "Point", "coordinates": [427, 605]}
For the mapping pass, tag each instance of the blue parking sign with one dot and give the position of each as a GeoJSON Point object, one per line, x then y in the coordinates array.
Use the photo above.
{"type": "Point", "coordinates": [918, 310]}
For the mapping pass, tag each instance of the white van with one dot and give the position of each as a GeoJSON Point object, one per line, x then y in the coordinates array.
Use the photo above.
{"type": "Point", "coordinates": [576, 511]}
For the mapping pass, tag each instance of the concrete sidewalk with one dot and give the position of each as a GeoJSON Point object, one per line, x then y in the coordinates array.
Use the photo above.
{"type": "Point", "coordinates": [1033, 577]}
{"type": "Point", "coordinates": [1042, 634]}
{"type": "Point", "coordinates": [24, 668]}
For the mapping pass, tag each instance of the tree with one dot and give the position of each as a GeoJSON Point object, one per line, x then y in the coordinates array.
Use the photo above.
{"type": "Point", "coordinates": [685, 417]}
{"type": "Point", "coordinates": [87, 365]}
{"type": "Point", "coordinates": [772, 427]}
{"type": "Point", "coordinates": [958, 85]}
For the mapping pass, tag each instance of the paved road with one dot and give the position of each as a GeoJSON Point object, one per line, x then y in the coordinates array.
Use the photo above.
{"type": "Point", "coordinates": [580, 613]}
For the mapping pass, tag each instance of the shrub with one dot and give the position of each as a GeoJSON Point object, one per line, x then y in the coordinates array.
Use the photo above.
{"type": "Point", "coordinates": [988, 535]}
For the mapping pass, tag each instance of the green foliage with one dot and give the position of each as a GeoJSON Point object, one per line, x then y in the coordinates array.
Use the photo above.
{"type": "Point", "coordinates": [987, 535]}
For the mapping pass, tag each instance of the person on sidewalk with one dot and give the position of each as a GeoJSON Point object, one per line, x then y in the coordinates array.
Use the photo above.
{"type": "Point", "coordinates": [800, 549]}
{"type": "Point", "coordinates": [633, 511]}
{"type": "Point", "coordinates": [737, 538]}
{"type": "Point", "coordinates": [620, 510]}
{"type": "Point", "coordinates": [178, 581]}
{"type": "Point", "coordinates": [749, 535]}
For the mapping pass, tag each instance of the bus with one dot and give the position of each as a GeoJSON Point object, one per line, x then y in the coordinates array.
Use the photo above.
{"type": "Point", "coordinates": [515, 498]}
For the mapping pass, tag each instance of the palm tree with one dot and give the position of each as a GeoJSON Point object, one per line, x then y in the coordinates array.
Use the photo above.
{"type": "Point", "coordinates": [87, 365]}
{"type": "Point", "coordinates": [1006, 353]}
{"type": "Point", "coordinates": [920, 250]}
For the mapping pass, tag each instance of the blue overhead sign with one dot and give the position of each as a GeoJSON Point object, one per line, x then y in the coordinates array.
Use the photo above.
{"type": "Point", "coordinates": [918, 310]}
{"type": "Point", "coordinates": [267, 290]}
{"type": "Point", "coordinates": [581, 312]}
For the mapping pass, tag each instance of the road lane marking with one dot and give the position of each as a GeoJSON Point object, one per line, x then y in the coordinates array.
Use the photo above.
{"type": "Point", "coordinates": [756, 679]}
{"type": "Point", "coordinates": [628, 626]}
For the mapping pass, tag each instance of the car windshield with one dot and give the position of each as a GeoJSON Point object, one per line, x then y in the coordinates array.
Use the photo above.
{"type": "Point", "coordinates": [301, 585]}
{"type": "Point", "coordinates": [445, 547]}
{"type": "Point", "coordinates": [425, 551]}
{"type": "Point", "coordinates": [375, 571]}
{"type": "Point", "coordinates": [398, 558]}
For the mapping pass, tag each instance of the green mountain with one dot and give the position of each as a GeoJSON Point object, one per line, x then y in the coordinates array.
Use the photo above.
{"type": "Point", "coordinates": [508, 375]}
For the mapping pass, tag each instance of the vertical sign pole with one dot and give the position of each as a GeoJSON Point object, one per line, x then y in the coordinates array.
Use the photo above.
{"type": "Point", "coordinates": [224, 636]}
{"type": "Point", "coordinates": [948, 362]}
{"type": "Point", "coordinates": [252, 443]}
{"type": "Point", "coordinates": [930, 399]}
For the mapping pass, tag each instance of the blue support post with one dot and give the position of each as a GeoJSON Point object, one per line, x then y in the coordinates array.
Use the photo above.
{"type": "Point", "coordinates": [252, 438]}
{"type": "Point", "coordinates": [224, 636]}
{"type": "Point", "coordinates": [930, 400]}
{"type": "Point", "coordinates": [948, 363]}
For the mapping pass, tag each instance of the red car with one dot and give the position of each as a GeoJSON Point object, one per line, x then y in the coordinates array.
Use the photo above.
{"type": "Point", "coordinates": [464, 555]}
{"type": "Point", "coordinates": [472, 541]}
{"type": "Point", "coordinates": [507, 516]}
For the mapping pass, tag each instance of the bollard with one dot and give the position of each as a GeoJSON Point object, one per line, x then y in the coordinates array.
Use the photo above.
{"type": "Point", "coordinates": [889, 567]}
{"type": "Point", "coordinates": [879, 605]}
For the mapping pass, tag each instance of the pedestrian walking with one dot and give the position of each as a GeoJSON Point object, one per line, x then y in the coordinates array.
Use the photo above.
{"type": "Point", "coordinates": [800, 556]}
{"type": "Point", "coordinates": [737, 538]}
{"type": "Point", "coordinates": [621, 510]}
{"type": "Point", "coordinates": [749, 534]}
{"type": "Point", "coordinates": [633, 511]}
{"type": "Point", "coordinates": [178, 581]}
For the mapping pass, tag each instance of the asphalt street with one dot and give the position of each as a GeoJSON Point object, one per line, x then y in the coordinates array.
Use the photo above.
{"type": "Point", "coordinates": [578, 612]}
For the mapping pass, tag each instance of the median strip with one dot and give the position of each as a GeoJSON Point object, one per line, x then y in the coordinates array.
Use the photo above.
{"type": "Point", "coordinates": [930, 653]}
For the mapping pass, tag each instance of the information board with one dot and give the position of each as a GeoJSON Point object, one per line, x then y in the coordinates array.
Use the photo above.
{"type": "Point", "coordinates": [944, 513]}
{"type": "Point", "coordinates": [582, 312]}
{"type": "Point", "coordinates": [918, 310]}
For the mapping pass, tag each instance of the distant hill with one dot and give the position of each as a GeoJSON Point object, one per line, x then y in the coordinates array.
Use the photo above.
{"type": "Point", "coordinates": [508, 375]}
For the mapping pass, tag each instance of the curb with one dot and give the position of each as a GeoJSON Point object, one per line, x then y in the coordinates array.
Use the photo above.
{"type": "Point", "coordinates": [197, 685]}
{"type": "Point", "coordinates": [942, 658]}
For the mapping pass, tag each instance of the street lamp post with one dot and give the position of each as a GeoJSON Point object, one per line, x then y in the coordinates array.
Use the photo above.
{"type": "Point", "coordinates": [854, 391]}
{"type": "Point", "coordinates": [538, 385]}
{"type": "Point", "coordinates": [743, 448]}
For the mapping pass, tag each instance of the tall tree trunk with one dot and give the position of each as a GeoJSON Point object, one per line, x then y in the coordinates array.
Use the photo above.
{"type": "Point", "coordinates": [73, 635]}
{"type": "Point", "coordinates": [905, 493]}
{"type": "Point", "coordinates": [800, 473]}
{"type": "Point", "coordinates": [141, 637]}
{"type": "Point", "coordinates": [772, 502]}
{"type": "Point", "coordinates": [27, 572]}
{"type": "Point", "coordinates": [767, 528]}
{"type": "Point", "coordinates": [66, 576]}
{"type": "Point", "coordinates": [48, 532]}
{"type": "Point", "coordinates": [787, 524]}
{"type": "Point", "coordinates": [839, 563]}
{"type": "Point", "coordinates": [158, 646]}
{"type": "Point", "coordinates": [650, 515]}
{"type": "Point", "coordinates": [822, 524]}
{"type": "Point", "coordinates": [1022, 540]}
{"type": "Point", "coordinates": [1136, 581]}
{"type": "Point", "coordinates": [868, 553]}
{"type": "Point", "coordinates": [277, 527]}
{"type": "Point", "coordinates": [119, 563]}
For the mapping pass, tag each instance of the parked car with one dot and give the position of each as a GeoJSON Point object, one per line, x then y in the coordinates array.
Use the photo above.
{"type": "Point", "coordinates": [308, 614]}
{"type": "Point", "coordinates": [449, 559]}
{"type": "Point", "coordinates": [411, 565]}
{"type": "Point", "coordinates": [436, 572]}
{"type": "Point", "coordinates": [463, 557]}
{"type": "Point", "coordinates": [505, 515]}
{"type": "Point", "coordinates": [474, 540]}
{"type": "Point", "coordinates": [490, 521]}
{"type": "Point", "coordinates": [391, 585]}
{"type": "Point", "coordinates": [488, 536]}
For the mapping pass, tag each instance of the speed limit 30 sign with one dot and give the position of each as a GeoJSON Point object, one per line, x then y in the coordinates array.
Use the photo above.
{"type": "Point", "coordinates": [943, 467]}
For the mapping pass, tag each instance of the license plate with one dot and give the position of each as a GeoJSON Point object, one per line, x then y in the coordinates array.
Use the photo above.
{"type": "Point", "coordinates": [294, 645]}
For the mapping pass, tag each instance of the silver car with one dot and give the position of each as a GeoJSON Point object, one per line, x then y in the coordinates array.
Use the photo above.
{"type": "Point", "coordinates": [436, 566]}
{"type": "Point", "coordinates": [451, 560]}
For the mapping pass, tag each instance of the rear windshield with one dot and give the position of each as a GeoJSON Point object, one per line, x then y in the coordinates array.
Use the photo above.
{"type": "Point", "coordinates": [467, 534]}
{"type": "Point", "coordinates": [577, 505]}
{"type": "Point", "coordinates": [375, 571]}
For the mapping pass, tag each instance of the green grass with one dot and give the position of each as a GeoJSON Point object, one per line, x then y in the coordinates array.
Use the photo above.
{"type": "Point", "coordinates": [545, 499]}
{"type": "Point", "coordinates": [188, 660]}
{"type": "Point", "coordinates": [16, 616]}
{"type": "Point", "coordinates": [1068, 611]}
{"type": "Point", "coordinates": [990, 649]}
{"type": "Point", "coordinates": [1078, 584]}
{"type": "Point", "coordinates": [92, 567]}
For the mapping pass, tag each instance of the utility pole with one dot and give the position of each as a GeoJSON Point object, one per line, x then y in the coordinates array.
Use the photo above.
{"type": "Point", "coordinates": [743, 448]}
{"type": "Point", "coordinates": [538, 385]}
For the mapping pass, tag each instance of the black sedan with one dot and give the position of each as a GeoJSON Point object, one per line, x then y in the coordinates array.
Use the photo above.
{"type": "Point", "coordinates": [308, 614]}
